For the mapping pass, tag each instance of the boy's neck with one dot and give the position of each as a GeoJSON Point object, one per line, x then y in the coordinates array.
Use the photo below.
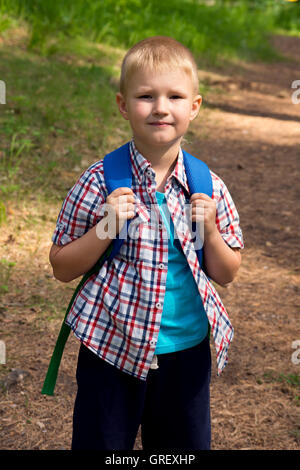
{"type": "Point", "coordinates": [162, 158]}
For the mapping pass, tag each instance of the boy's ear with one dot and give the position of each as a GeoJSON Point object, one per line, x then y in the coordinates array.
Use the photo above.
{"type": "Point", "coordinates": [121, 102]}
{"type": "Point", "coordinates": [195, 107]}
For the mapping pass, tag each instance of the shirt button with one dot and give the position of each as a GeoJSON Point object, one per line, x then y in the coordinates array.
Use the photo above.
{"type": "Point", "coordinates": [161, 266]}
{"type": "Point", "coordinates": [158, 305]}
{"type": "Point", "coordinates": [153, 342]}
{"type": "Point", "coordinates": [149, 172]}
{"type": "Point", "coordinates": [160, 226]}
{"type": "Point", "coordinates": [149, 190]}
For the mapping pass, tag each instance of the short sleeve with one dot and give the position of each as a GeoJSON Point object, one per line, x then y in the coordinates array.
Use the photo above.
{"type": "Point", "coordinates": [227, 217]}
{"type": "Point", "coordinates": [81, 208]}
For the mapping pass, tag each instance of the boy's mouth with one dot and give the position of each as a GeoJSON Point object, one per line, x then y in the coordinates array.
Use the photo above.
{"type": "Point", "coordinates": [160, 123]}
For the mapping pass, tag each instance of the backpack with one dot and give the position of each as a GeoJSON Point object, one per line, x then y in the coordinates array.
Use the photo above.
{"type": "Point", "coordinates": [117, 173]}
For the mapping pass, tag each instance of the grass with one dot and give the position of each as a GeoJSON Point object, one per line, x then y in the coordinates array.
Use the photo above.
{"type": "Point", "coordinates": [291, 379]}
{"type": "Point", "coordinates": [290, 382]}
{"type": "Point", "coordinates": [287, 19]}
{"type": "Point", "coordinates": [57, 110]}
{"type": "Point", "coordinates": [221, 29]}
{"type": "Point", "coordinates": [5, 270]}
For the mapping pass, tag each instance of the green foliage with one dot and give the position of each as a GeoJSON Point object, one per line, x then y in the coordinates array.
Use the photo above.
{"type": "Point", "coordinates": [287, 17]}
{"type": "Point", "coordinates": [210, 29]}
{"type": "Point", "coordinates": [5, 271]}
{"type": "Point", "coordinates": [2, 213]}
{"type": "Point", "coordinates": [291, 381]}
{"type": "Point", "coordinates": [55, 111]}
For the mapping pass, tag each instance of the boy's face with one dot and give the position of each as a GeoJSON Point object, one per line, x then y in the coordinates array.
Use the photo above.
{"type": "Point", "coordinates": [159, 107]}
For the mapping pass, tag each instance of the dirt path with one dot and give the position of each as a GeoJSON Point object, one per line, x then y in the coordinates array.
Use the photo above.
{"type": "Point", "coordinates": [249, 134]}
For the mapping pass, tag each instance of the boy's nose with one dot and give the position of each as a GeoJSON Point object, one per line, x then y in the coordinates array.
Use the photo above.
{"type": "Point", "coordinates": [160, 106]}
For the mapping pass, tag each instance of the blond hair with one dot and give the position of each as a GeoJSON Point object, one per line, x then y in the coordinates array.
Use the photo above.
{"type": "Point", "coordinates": [158, 53]}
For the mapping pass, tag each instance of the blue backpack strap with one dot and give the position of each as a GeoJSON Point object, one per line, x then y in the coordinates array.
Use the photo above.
{"type": "Point", "coordinates": [198, 175]}
{"type": "Point", "coordinates": [199, 181]}
{"type": "Point", "coordinates": [118, 173]}
{"type": "Point", "coordinates": [117, 169]}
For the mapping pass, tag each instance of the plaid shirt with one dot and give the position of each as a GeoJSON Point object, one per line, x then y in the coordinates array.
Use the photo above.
{"type": "Point", "coordinates": [117, 312]}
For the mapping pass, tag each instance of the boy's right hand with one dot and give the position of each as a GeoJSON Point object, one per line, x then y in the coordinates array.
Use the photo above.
{"type": "Point", "coordinates": [122, 201]}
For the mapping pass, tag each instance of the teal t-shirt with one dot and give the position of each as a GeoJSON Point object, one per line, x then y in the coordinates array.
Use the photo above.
{"type": "Point", "coordinates": [184, 321]}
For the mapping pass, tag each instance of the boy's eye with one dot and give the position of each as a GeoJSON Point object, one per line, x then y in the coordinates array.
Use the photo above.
{"type": "Point", "coordinates": [150, 97]}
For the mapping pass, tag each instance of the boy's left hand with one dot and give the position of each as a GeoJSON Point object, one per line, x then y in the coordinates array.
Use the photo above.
{"type": "Point", "coordinates": [203, 209]}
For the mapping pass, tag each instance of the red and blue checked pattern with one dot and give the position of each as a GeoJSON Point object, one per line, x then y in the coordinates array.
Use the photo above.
{"type": "Point", "coordinates": [117, 312]}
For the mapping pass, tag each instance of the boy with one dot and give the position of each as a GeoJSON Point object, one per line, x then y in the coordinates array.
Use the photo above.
{"type": "Point", "coordinates": [143, 320]}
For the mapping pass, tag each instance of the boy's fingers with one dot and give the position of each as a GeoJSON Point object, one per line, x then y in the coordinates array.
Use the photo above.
{"type": "Point", "coordinates": [127, 215]}
{"type": "Point", "coordinates": [126, 198]}
{"type": "Point", "coordinates": [200, 203]}
{"type": "Point", "coordinates": [199, 196]}
{"type": "Point", "coordinates": [197, 208]}
{"type": "Point", "coordinates": [122, 195]}
{"type": "Point", "coordinates": [198, 212]}
{"type": "Point", "coordinates": [126, 207]}
{"type": "Point", "coordinates": [121, 191]}
{"type": "Point", "coordinates": [121, 201]}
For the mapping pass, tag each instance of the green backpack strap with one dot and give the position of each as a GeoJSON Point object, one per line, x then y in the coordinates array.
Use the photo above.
{"type": "Point", "coordinates": [51, 376]}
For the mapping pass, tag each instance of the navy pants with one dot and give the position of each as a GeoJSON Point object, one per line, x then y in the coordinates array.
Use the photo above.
{"type": "Point", "coordinates": [172, 405]}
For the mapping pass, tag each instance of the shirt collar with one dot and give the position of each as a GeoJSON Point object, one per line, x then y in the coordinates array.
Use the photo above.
{"type": "Point", "coordinates": [140, 164]}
